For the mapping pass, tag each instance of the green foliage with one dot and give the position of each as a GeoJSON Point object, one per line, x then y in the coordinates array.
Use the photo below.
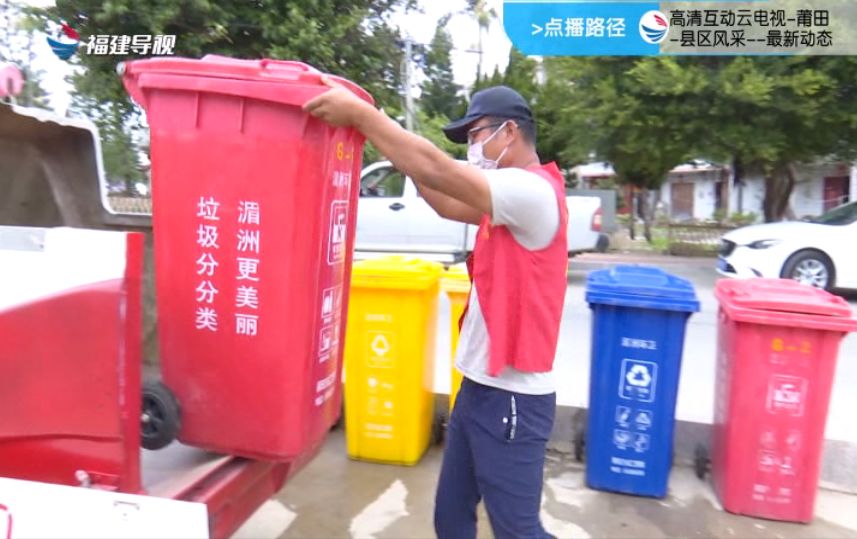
{"type": "Point", "coordinates": [743, 219]}
{"type": "Point", "coordinates": [440, 94]}
{"type": "Point", "coordinates": [17, 42]}
{"type": "Point", "coordinates": [483, 82]}
{"type": "Point", "coordinates": [647, 115]}
{"type": "Point", "coordinates": [351, 38]}
{"type": "Point", "coordinates": [431, 127]}
{"type": "Point", "coordinates": [521, 75]}
{"type": "Point", "coordinates": [719, 215]}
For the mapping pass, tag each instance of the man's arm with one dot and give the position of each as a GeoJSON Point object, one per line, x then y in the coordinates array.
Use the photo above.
{"type": "Point", "coordinates": [448, 207]}
{"type": "Point", "coordinates": [411, 154]}
{"type": "Point", "coordinates": [426, 164]}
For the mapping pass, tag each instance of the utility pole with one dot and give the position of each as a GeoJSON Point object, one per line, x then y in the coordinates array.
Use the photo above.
{"type": "Point", "coordinates": [409, 75]}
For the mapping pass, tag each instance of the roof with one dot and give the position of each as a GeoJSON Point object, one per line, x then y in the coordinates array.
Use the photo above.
{"type": "Point", "coordinates": [603, 169]}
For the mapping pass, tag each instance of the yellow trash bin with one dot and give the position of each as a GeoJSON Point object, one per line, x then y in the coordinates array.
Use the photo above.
{"type": "Point", "coordinates": [456, 284]}
{"type": "Point", "coordinates": [389, 359]}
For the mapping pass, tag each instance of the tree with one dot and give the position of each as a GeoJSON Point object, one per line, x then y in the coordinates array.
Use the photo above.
{"type": "Point", "coordinates": [770, 114]}
{"type": "Point", "coordinates": [440, 94]}
{"type": "Point", "coordinates": [120, 152]}
{"type": "Point", "coordinates": [33, 94]}
{"type": "Point", "coordinates": [483, 81]}
{"type": "Point", "coordinates": [352, 38]}
{"type": "Point", "coordinates": [17, 47]}
{"type": "Point", "coordinates": [431, 127]}
{"type": "Point", "coordinates": [646, 115]}
{"type": "Point", "coordinates": [520, 75]}
{"type": "Point", "coordinates": [484, 15]}
{"type": "Point", "coordinates": [616, 108]}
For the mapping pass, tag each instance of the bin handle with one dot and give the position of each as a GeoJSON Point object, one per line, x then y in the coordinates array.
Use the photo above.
{"type": "Point", "coordinates": [267, 63]}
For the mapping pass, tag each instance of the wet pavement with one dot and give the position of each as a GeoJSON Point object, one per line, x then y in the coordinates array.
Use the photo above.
{"type": "Point", "coordinates": [337, 497]}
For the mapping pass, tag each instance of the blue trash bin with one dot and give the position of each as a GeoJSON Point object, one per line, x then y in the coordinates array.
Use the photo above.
{"type": "Point", "coordinates": [639, 319]}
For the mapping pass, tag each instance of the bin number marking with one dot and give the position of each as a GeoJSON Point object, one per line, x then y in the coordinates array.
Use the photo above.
{"type": "Point", "coordinates": [779, 345]}
{"type": "Point", "coordinates": [341, 154]}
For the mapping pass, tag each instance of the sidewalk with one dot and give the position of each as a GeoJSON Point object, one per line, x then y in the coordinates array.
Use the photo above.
{"type": "Point", "coordinates": [642, 257]}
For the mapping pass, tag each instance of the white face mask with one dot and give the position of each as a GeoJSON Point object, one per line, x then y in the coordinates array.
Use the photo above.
{"type": "Point", "coordinates": [476, 153]}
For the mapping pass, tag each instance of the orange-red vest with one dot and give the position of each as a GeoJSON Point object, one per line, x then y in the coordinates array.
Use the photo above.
{"type": "Point", "coordinates": [521, 292]}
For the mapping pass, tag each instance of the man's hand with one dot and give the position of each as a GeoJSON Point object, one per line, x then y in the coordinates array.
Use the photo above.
{"type": "Point", "coordinates": [337, 106]}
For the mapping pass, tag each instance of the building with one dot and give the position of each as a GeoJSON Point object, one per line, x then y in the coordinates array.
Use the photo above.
{"type": "Point", "coordinates": [698, 189]}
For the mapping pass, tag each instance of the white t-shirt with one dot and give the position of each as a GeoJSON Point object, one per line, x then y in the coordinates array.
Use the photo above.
{"type": "Point", "coordinates": [526, 203]}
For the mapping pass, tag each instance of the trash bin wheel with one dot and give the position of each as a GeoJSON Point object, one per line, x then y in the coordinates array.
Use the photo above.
{"type": "Point", "coordinates": [159, 416]}
{"type": "Point", "coordinates": [437, 429]}
{"type": "Point", "coordinates": [579, 443]}
{"type": "Point", "coordinates": [701, 461]}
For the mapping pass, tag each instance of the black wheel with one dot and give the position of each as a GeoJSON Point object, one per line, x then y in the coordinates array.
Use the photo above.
{"type": "Point", "coordinates": [437, 429]}
{"type": "Point", "coordinates": [579, 443]}
{"type": "Point", "coordinates": [701, 461]}
{"type": "Point", "coordinates": [810, 267]}
{"type": "Point", "coordinates": [159, 416]}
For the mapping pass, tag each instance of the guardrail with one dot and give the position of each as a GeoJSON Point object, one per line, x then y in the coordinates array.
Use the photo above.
{"type": "Point", "coordinates": [696, 239]}
{"type": "Point", "coordinates": [130, 205]}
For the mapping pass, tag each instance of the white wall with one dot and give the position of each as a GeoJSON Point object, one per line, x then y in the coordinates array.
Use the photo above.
{"type": "Point", "coordinates": [808, 196]}
{"type": "Point", "coordinates": [705, 196]}
{"type": "Point", "coordinates": [853, 181]}
{"type": "Point", "coordinates": [753, 196]}
{"type": "Point", "coordinates": [807, 199]}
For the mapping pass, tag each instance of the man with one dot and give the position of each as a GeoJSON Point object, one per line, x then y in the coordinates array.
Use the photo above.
{"type": "Point", "coordinates": [504, 412]}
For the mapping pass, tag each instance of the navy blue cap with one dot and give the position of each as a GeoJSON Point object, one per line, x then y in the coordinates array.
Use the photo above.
{"type": "Point", "coordinates": [497, 101]}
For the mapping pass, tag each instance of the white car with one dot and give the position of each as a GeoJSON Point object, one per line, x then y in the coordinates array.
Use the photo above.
{"type": "Point", "coordinates": [820, 252]}
{"type": "Point", "coordinates": [392, 217]}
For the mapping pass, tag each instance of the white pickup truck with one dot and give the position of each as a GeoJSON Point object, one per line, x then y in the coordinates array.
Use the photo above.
{"type": "Point", "coordinates": [392, 217]}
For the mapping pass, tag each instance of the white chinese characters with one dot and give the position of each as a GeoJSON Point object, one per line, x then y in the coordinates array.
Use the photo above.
{"type": "Point", "coordinates": [249, 240]}
{"type": "Point", "coordinates": [123, 45]}
{"type": "Point", "coordinates": [582, 28]}
{"type": "Point", "coordinates": [206, 318]}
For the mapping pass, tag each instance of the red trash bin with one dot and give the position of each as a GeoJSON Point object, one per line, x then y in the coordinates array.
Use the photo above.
{"type": "Point", "coordinates": [254, 207]}
{"type": "Point", "coordinates": [778, 342]}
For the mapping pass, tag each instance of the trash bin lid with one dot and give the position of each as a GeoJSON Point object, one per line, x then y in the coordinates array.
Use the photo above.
{"type": "Point", "coordinates": [219, 74]}
{"type": "Point", "coordinates": [642, 287]}
{"type": "Point", "coordinates": [456, 279]}
{"type": "Point", "coordinates": [783, 301]}
{"type": "Point", "coordinates": [396, 272]}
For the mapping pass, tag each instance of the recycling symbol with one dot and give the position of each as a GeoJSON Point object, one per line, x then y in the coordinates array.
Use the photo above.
{"type": "Point", "coordinates": [639, 376]}
{"type": "Point", "coordinates": [380, 346]}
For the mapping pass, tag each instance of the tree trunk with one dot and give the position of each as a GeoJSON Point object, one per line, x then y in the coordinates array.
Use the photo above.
{"type": "Point", "coordinates": [738, 182]}
{"type": "Point", "coordinates": [645, 208]}
{"type": "Point", "coordinates": [632, 215]}
{"type": "Point", "coordinates": [779, 184]}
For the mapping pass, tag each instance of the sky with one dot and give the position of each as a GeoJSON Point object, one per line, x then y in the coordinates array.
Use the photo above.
{"type": "Point", "coordinates": [418, 26]}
